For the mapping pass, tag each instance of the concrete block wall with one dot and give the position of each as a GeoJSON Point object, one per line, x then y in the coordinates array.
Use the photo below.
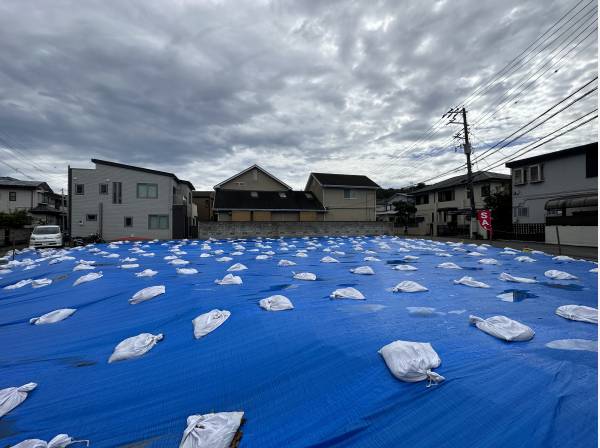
{"type": "Point", "coordinates": [230, 229]}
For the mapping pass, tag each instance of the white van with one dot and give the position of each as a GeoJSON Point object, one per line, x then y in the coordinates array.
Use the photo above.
{"type": "Point", "coordinates": [43, 236]}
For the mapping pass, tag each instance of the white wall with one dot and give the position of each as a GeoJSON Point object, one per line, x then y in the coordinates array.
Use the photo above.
{"type": "Point", "coordinates": [562, 177]}
{"type": "Point", "coordinates": [573, 235]}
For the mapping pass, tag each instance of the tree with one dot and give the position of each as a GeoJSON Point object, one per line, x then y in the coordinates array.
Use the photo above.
{"type": "Point", "coordinates": [500, 204]}
{"type": "Point", "coordinates": [14, 220]}
{"type": "Point", "coordinates": [403, 211]}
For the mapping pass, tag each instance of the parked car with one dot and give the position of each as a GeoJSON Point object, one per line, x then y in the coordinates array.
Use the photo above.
{"type": "Point", "coordinates": [45, 236]}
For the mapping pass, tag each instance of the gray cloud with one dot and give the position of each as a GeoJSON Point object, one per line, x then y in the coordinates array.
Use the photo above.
{"type": "Point", "coordinates": [204, 89]}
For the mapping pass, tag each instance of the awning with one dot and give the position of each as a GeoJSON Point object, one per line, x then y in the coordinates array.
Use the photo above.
{"type": "Point", "coordinates": [572, 202]}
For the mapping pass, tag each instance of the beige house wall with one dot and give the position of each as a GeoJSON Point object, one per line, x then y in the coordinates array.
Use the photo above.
{"type": "Point", "coordinates": [241, 215]}
{"type": "Point", "coordinates": [253, 180]}
{"type": "Point", "coordinates": [361, 207]}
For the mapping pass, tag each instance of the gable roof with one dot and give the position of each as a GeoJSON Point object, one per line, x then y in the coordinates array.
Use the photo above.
{"type": "Point", "coordinates": [343, 180]}
{"type": "Point", "coordinates": [143, 170]}
{"type": "Point", "coordinates": [16, 183]}
{"type": "Point", "coordinates": [251, 168]}
{"type": "Point", "coordinates": [554, 155]}
{"type": "Point", "coordinates": [478, 177]}
{"type": "Point", "coordinates": [266, 200]}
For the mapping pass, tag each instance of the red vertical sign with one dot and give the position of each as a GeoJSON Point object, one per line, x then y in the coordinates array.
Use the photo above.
{"type": "Point", "coordinates": [485, 219]}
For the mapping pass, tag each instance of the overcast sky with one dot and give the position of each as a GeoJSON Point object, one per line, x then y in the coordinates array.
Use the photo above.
{"type": "Point", "coordinates": [206, 88]}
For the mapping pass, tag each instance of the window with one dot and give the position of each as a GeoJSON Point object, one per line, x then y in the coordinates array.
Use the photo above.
{"type": "Point", "coordinates": [103, 188]}
{"type": "Point", "coordinates": [520, 212]}
{"type": "Point", "coordinates": [282, 195]}
{"type": "Point", "coordinates": [308, 195]}
{"type": "Point", "coordinates": [422, 199]}
{"type": "Point", "coordinates": [254, 194]}
{"type": "Point", "coordinates": [519, 176]}
{"type": "Point", "coordinates": [348, 193]}
{"type": "Point", "coordinates": [158, 222]}
{"type": "Point", "coordinates": [79, 189]}
{"type": "Point", "coordinates": [591, 163]}
{"type": "Point", "coordinates": [91, 217]}
{"type": "Point", "coordinates": [485, 190]}
{"type": "Point", "coordinates": [117, 193]}
{"type": "Point", "coordinates": [536, 173]}
{"type": "Point", "coordinates": [12, 195]}
{"type": "Point", "coordinates": [147, 191]}
{"type": "Point", "coordinates": [240, 184]}
{"type": "Point", "coordinates": [445, 196]}
{"type": "Point", "coordinates": [128, 221]}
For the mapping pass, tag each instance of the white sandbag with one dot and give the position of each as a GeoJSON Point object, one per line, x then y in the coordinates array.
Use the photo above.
{"type": "Point", "coordinates": [301, 254]}
{"type": "Point", "coordinates": [229, 279]}
{"type": "Point", "coordinates": [111, 256]}
{"type": "Point", "coordinates": [178, 262]}
{"type": "Point", "coordinates": [88, 278]}
{"type": "Point", "coordinates": [52, 317]}
{"type": "Point", "coordinates": [448, 265]}
{"type": "Point", "coordinates": [146, 273]}
{"type": "Point", "coordinates": [347, 293]}
{"type": "Point", "coordinates": [205, 255]}
{"type": "Point", "coordinates": [524, 259]}
{"type": "Point", "coordinates": [409, 286]}
{"type": "Point", "coordinates": [410, 258]}
{"type": "Point", "coordinates": [574, 344]}
{"type": "Point", "coordinates": [31, 266]}
{"type": "Point", "coordinates": [304, 276]}
{"type": "Point", "coordinates": [262, 257]}
{"type": "Point", "coordinates": [41, 282]}
{"type": "Point", "coordinates": [443, 254]}
{"type": "Point", "coordinates": [211, 430]}
{"type": "Point", "coordinates": [404, 267]}
{"type": "Point", "coordinates": [187, 271]}
{"type": "Point", "coordinates": [207, 322]}
{"type": "Point", "coordinates": [559, 275]}
{"type": "Point", "coordinates": [134, 346]}
{"type": "Point", "coordinates": [147, 293]}
{"type": "Point", "coordinates": [412, 361]}
{"type": "Point", "coordinates": [5, 271]}
{"type": "Point", "coordinates": [363, 270]}
{"type": "Point", "coordinates": [470, 281]}
{"type": "Point", "coordinates": [488, 261]}
{"type": "Point", "coordinates": [503, 328]}
{"type": "Point", "coordinates": [129, 266]}
{"type": "Point", "coordinates": [328, 259]}
{"type": "Point", "coordinates": [12, 397]}
{"type": "Point", "coordinates": [84, 267]}
{"type": "Point", "coordinates": [19, 284]}
{"type": "Point", "coordinates": [505, 277]}
{"type": "Point", "coordinates": [59, 441]}
{"type": "Point", "coordinates": [286, 263]}
{"type": "Point", "coordinates": [563, 258]}
{"type": "Point", "coordinates": [474, 254]}
{"type": "Point", "coordinates": [594, 270]}
{"type": "Point", "coordinates": [237, 267]}
{"type": "Point", "coordinates": [129, 260]}
{"type": "Point", "coordinates": [276, 303]}
{"type": "Point", "coordinates": [371, 259]}
{"type": "Point", "coordinates": [580, 313]}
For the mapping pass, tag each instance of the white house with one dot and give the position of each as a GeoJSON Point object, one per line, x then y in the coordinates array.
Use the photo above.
{"type": "Point", "coordinates": [443, 209]}
{"type": "Point", "coordinates": [119, 201]}
{"type": "Point", "coordinates": [558, 192]}
{"type": "Point", "coordinates": [34, 197]}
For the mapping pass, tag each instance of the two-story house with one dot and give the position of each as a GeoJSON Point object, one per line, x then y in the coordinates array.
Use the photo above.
{"type": "Point", "coordinates": [346, 197]}
{"type": "Point", "coordinates": [34, 197]}
{"type": "Point", "coordinates": [386, 208]}
{"type": "Point", "coordinates": [558, 192]}
{"type": "Point", "coordinates": [444, 207]}
{"type": "Point", "coordinates": [118, 201]}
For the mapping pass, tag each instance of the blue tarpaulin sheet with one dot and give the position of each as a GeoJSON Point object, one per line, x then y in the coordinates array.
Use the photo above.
{"type": "Point", "coordinates": [307, 377]}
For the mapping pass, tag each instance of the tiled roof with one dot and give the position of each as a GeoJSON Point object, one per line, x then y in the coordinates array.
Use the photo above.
{"type": "Point", "coordinates": [266, 200]}
{"type": "Point", "coordinates": [344, 180]}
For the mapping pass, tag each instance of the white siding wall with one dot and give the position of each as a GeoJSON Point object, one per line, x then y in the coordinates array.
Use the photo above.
{"type": "Point", "coordinates": [25, 199]}
{"type": "Point", "coordinates": [562, 177]}
{"type": "Point", "coordinates": [113, 215]}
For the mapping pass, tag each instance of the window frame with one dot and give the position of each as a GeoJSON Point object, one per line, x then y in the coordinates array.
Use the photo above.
{"type": "Point", "coordinates": [12, 196]}
{"type": "Point", "coordinates": [540, 173]}
{"type": "Point", "coordinates": [452, 195]}
{"type": "Point", "coordinates": [94, 219]}
{"type": "Point", "coordinates": [159, 222]}
{"type": "Point", "coordinates": [117, 194]}
{"type": "Point", "coordinates": [350, 193]}
{"type": "Point", "coordinates": [100, 185]}
{"type": "Point", "coordinates": [489, 190]}
{"type": "Point", "coordinates": [523, 177]}
{"type": "Point", "coordinates": [125, 218]}
{"type": "Point", "coordinates": [141, 186]}
{"type": "Point", "coordinates": [82, 192]}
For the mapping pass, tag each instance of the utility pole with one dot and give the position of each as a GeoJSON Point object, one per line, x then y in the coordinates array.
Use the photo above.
{"type": "Point", "coordinates": [467, 149]}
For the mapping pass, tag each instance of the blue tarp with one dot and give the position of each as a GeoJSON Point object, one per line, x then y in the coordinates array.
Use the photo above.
{"type": "Point", "coordinates": [309, 377]}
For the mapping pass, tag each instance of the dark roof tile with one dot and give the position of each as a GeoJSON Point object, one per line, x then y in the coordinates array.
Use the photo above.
{"type": "Point", "coordinates": [266, 200]}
